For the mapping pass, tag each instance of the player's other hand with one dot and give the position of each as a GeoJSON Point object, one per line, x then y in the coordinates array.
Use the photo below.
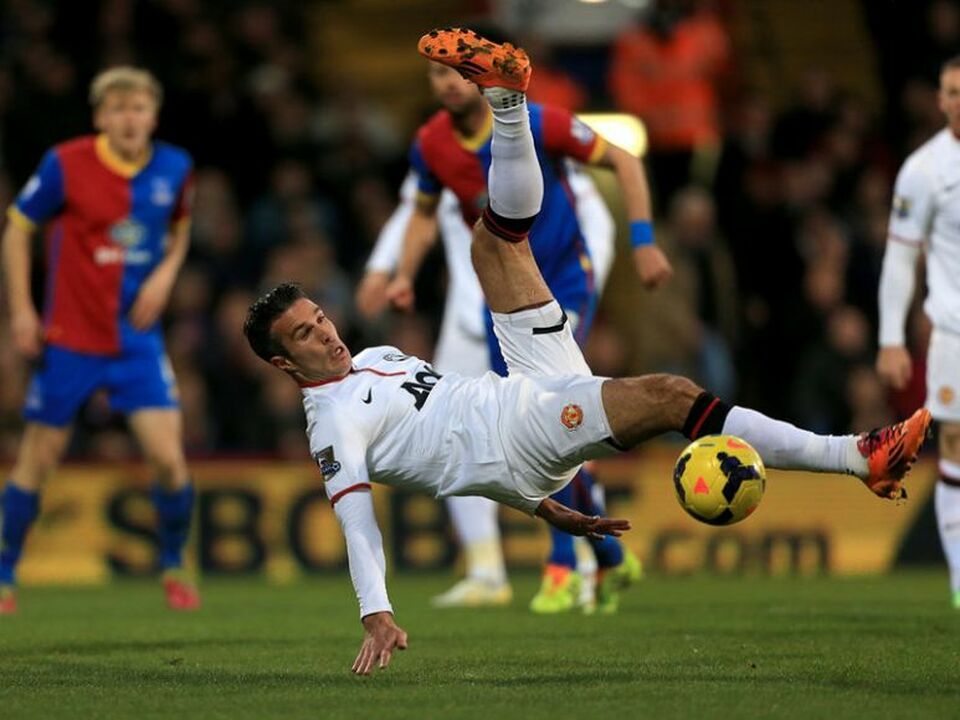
{"type": "Point", "coordinates": [150, 302]}
{"type": "Point", "coordinates": [576, 523]}
{"type": "Point", "coordinates": [400, 293]}
{"type": "Point", "coordinates": [27, 332]}
{"type": "Point", "coordinates": [381, 637]}
{"type": "Point", "coordinates": [894, 366]}
{"type": "Point", "coordinates": [652, 266]}
{"type": "Point", "coordinates": [371, 297]}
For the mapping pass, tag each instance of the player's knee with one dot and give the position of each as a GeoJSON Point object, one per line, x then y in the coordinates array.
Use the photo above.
{"type": "Point", "coordinates": [170, 468]}
{"type": "Point", "coordinates": [950, 442]}
{"type": "Point", "coordinates": [671, 390]}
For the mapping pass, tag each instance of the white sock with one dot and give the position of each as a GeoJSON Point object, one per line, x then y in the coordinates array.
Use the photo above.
{"type": "Point", "coordinates": [475, 522]}
{"type": "Point", "coordinates": [947, 506]}
{"type": "Point", "coordinates": [785, 446]}
{"type": "Point", "coordinates": [515, 182]}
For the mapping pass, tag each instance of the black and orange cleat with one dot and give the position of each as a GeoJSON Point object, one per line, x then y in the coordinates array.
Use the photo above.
{"type": "Point", "coordinates": [891, 451]}
{"type": "Point", "coordinates": [182, 595]}
{"type": "Point", "coordinates": [486, 63]}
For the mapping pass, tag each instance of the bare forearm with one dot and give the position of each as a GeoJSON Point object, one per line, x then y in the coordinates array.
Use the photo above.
{"type": "Point", "coordinates": [16, 266]}
{"type": "Point", "coordinates": [633, 182]}
{"type": "Point", "coordinates": [419, 238]}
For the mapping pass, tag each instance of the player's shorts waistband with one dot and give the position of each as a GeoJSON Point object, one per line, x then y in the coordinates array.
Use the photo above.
{"type": "Point", "coordinates": [540, 319]}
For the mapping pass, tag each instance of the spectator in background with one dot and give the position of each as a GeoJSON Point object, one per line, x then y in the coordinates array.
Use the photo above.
{"type": "Point", "coordinates": [550, 85]}
{"type": "Point", "coordinates": [666, 71]}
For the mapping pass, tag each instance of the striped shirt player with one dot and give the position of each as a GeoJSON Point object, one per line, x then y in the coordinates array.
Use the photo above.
{"type": "Point", "coordinates": [115, 208]}
{"type": "Point", "coordinates": [108, 221]}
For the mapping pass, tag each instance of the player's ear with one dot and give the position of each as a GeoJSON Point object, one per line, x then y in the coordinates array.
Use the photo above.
{"type": "Point", "coordinates": [284, 363]}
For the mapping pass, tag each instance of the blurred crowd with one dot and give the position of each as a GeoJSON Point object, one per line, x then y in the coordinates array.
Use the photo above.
{"type": "Point", "coordinates": [775, 218]}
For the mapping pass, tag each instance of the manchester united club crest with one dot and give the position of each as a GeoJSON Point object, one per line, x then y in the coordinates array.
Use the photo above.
{"type": "Point", "coordinates": [571, 416]}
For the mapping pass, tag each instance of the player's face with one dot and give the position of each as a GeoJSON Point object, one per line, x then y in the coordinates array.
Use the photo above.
{"type": "Point", "coordinates": [455, 93]}
{"type": "Point", "coordinates": [950, 98]}
{"type": "Point", "coordinates": [312, 343]}
{"type": "Point", "coordinates": [127, 118]}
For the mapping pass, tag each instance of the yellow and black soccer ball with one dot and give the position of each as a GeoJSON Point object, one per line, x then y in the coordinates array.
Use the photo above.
{"type": "Point", "coordinates": [719, 479]}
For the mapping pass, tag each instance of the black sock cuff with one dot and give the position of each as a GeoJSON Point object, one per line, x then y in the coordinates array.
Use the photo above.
{"type": "Point", "coordinates": [509, 229]}
{"type": "Point", "coordinates": [706, 417]}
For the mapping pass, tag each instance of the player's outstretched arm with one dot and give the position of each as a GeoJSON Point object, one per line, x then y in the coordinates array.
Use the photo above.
{"type": "Point", "coordinates": [365, 555]}
{"type": "Point", "coordinates": [575, 523]}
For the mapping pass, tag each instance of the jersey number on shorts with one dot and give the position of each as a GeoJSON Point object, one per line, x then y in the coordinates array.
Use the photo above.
{"type": "Point", "coordinates": [425, 381]}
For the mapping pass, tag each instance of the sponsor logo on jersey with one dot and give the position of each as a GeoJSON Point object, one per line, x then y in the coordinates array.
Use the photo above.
{"type": "Point", "coordinates": [946, 395]}
{"type": "Point", "coordinates": [571, 416]}
{"type": "Point", "coordinates": [161, 193]}
{"type": "Point", "coordinates": [901, 207]}
{"type": "Point", "coordinates": [128, 233]}
{"type": "Point", "coordinates": [395, 357]}
{"type": "Point", "coordinates": [583, 134]}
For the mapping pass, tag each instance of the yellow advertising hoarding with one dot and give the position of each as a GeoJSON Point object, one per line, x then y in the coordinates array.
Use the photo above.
{"type": "Point", "coordinates": [273, 518]}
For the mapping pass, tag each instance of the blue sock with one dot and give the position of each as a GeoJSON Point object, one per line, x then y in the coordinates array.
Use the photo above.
{"type": "Point", "coordinates": [609, 551]}
{"type": "Point", "coordinates": [20, 508]}
{"type": "Point", "coordinates": [561, 550]}
{"type": "Point", "coordinates": [174, 510]}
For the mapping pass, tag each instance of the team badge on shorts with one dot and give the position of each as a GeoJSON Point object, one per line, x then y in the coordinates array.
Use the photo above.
{"type": "Point", "coordinates": [946, 394]}
{"type": "Point", "coordinates": [571, 416]}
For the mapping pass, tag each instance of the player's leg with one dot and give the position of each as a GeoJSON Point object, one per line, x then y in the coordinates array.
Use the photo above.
{"type": "Point", "coordinates": [159, 433]}
{"type": "Point", "coordinates": [41, 449]}
{"type": "Point", "coordinates": [56, 391]}
{"type": "Point", "coordinates": [943, 401]}
{"type": "Point", "coordinates": [143, 388]}
{"type": "Point", "coordinates": [639, 408]}
{"type": "Point", "coordinates": [947, 503]}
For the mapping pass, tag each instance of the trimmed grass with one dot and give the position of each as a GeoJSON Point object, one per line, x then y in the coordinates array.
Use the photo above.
{"type": "Point", "coordinates": [700, 647]}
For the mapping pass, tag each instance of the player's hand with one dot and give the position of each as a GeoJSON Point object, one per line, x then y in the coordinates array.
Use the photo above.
{"type": "Point", "coordinates": [371, 297]}
{"type": "Point", "coordinates": [400, 293]}
{"type": "Point", "coordinates": [151, 300]}
{"type": "Point", "coordinates": [894, 366]}
{"type": "Point", "coordinates": [381, 637]}
{"type": "Point", "coordinates": [27, 331]}
{"type": "Point", "coordinates": [576, 523]}
{"type": "Point", "coordinates": [652, 266]}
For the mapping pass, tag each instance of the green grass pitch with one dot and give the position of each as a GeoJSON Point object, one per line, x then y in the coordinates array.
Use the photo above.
{"type": "Point", "coordinates": [703, 647]}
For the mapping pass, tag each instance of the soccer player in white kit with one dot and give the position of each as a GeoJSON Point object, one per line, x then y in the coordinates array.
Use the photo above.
{"type": "Point", "coordinates": [386, 417]}
{"type": "Point", "coordinates": [925, 218]}
{"type": "Point", "coordinates": [462, 348]}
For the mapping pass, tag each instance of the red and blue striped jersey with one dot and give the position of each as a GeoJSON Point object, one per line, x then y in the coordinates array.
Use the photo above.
{"type": "Point", "coordinates": [443, 158]}
{"type": "Point", "coordinates": [106, 226]}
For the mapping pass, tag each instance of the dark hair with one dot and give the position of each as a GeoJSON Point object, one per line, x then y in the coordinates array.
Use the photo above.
{"type": "Point", "coordinates": [951, 64]}
{"type": "Point", "coordinates": [267, 308]}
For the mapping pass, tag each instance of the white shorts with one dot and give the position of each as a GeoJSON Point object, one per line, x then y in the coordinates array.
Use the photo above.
{"type": "Point", "coordinates": [552, 417]}
{"type": "Point", "coordinates": [943, 376]}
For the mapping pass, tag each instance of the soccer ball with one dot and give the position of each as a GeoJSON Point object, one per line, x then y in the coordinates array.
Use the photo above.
{"type": "Point", "coordinates": [719, 479]}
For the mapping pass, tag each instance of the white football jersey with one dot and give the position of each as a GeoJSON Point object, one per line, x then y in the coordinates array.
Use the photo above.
{"type": "Point", "coordinates": [394, 420]}
{"type": "Point", "coordinates": [926, 209]}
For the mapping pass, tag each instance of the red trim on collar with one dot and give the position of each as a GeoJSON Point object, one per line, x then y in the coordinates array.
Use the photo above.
{"type": "Point", "coordinates": [352, 371]}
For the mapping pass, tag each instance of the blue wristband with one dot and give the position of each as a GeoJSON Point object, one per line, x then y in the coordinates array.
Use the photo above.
{"type": "Point", "coordinates": [641, 233]}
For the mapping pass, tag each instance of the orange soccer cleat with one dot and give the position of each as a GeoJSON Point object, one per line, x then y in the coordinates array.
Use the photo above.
{"type": "Point", "coordinates": [181, 595]}
{"type": "Point", "coordinates": [486, 63]}
{"type": "Point", "coordinates": [890, 452]}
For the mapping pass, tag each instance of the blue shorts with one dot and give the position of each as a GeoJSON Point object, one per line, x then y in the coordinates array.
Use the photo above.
{"type": "Point", "coordinates": [136, 379]}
